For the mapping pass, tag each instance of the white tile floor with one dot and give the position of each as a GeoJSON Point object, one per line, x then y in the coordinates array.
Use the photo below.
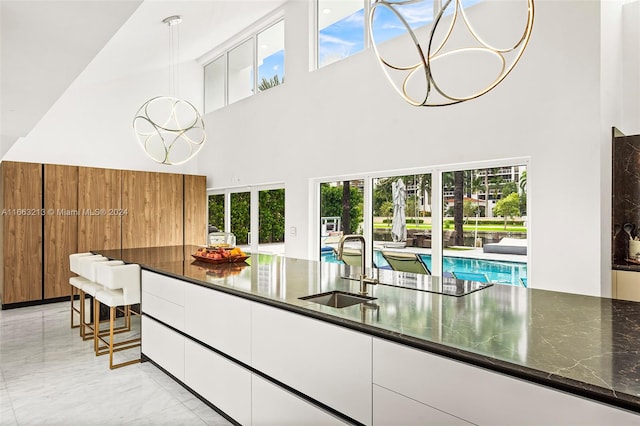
{"type": "Point", "coordinates": [49, 376]}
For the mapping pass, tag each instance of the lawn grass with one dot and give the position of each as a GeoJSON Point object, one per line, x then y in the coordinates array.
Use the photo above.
{"type": "Point", "coordinates": [466, 228]}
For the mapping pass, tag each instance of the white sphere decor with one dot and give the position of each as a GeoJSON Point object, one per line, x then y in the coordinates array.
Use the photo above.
{"type": "Point", "coordinates": [170, 130]}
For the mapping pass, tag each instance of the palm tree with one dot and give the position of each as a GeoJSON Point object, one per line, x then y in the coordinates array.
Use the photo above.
{"type": "Point", "coordinates": [523, 181]}
{"type": "Point", "coordinates": [346, 207]}
{"type": "Point", "coordinates": [458, 206]}
{"type": "Point", "coordinates": [269, 83]}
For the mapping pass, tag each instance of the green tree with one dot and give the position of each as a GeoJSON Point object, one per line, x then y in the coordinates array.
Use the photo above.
{"type": "Point", "coordinates": [216, 211]}
{"type": "Point", "coordinates": [470, 208]}
{"type": "Point", "coordinates": [509, 188]}
{"type": "Point", "coordinates": [523, 197]}
{"type": "Point", "coordinates": [241, 216]}
{"type": "Point", "coordinates": [523, 181]}
{"type": "Point", "coordinates": [458, 212]}
{"type": "Point", "coordinates": [271, 216]}
{"type": "Point", "coordinates": [508, 207]}
{"type": "Point", "coordinates": [382, 194]}
{"type": "Point", "coordinates": [331, 205]}
{"type": "Point", "coordinates": [269, 83]}
{"type": "Point", "coordinates": [386, 209]}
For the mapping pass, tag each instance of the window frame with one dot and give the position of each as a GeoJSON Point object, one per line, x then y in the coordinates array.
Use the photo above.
{"type": "Point", "coordinates": [436, 205]}
{"type": "Point", "coordinates": [251, 33]}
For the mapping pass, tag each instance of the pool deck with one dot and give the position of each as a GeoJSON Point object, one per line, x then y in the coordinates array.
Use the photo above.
{"type": "Point", "coordinates": [469, 253]}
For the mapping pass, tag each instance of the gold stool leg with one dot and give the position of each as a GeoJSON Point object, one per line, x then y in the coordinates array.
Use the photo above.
{"type": "Point", "coordinates": [112, 314]}
{"type": "Point", "coordinates": [96, 324]}
{"type": "Point", "coordinates": [73, 308]}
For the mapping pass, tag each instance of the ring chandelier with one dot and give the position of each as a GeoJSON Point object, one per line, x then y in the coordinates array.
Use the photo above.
{"type": "Point", "coordinates": [170, 130]}
{"type": "Point", "coordinates": [416, 83]}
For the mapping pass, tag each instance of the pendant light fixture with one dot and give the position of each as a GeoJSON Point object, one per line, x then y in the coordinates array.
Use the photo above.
{"type": "Point", "coordinates": [454, 63]}
{"type": "Point", "coordinates": [170, 129]}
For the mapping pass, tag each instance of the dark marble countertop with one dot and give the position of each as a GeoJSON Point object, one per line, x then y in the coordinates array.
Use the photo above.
{"type": "Point", "coordinates": [585, 345]}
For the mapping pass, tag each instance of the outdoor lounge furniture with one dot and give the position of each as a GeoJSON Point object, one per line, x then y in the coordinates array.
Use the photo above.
{"type": "Point", "coordinates": [507, 246]}
{"type": "Point", "coordinates": [523, 281]}
{"type": "Point", "coordinates": [480, 277]}
{"type": "Point", "coordinates": [351, 256]}
{"type": "Point", "coordinates": [406, 262]}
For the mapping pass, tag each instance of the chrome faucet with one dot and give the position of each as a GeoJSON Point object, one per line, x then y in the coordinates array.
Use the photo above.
{"type": "Point", "coordinates": [364, 280]}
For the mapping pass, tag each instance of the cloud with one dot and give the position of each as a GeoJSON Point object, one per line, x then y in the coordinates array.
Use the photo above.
{"type": "Point", "coordinates": [323, 38]}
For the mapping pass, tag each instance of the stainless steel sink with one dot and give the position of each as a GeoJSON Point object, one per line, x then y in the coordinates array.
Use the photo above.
{"type": "Point", "coordinates": [338, 299]}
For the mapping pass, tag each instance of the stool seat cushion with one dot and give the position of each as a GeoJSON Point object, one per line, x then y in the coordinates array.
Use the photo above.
{"type": "Point", "coordinates": [78, 282]}
{"type": "Point", "coordinates": [92, 288]}
{"type": "Point", "coordinates": [111, 298]}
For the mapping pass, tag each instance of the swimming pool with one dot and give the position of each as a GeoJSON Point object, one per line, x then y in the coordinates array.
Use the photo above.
{"type": "Point", "coordinates": [497, 271]}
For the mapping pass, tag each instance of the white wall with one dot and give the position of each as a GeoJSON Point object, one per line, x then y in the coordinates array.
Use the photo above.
{"type": "Point", "coordinates": [346, 119]}
{"type": "Point", "coordinates": [556, 108]}
{"type": "Point", "coordinates": [92, 123]}
{"type": "Point", "coordinates": [631, 67]}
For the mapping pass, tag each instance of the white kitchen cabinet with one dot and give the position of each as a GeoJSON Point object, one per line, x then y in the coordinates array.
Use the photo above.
{"type": "Point", "coordinates": [222, 382]}
{"type": "Point", "coordinates": [480, 396]}
{"type": "Point", "coordinates": [163, 298]}
{"type": "Point", "coordinates": [273, 405]}
{"type": "Point", "coordinates": [220, 320]}
{"type": "Point", "coordinates": [164, 346]}
{"type": "Point", "coordinates": [328, 363]}
{"type": "Point", "coordinates": [392, 409]}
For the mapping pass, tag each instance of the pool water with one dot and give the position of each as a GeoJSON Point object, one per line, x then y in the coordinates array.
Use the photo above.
{"type": "Point", "coordinates": [497, 271]}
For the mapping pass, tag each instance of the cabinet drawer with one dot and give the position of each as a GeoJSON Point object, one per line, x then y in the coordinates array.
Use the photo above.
{"type": "Point", "coordinates": [392, 409]}
{"type": "Point", "coordinates": [166, 288]}
{"type": "Point", "coordinates": [272, 405]}
{"type": "Point", "coordinates": [328, 363]}
{"type": "Point", "coordinates": [480, 396]}
{"type": "Point", "coordinates": [163, 310]}
{"type": "Point", "coordinates": [164, 346]}
{"type": "Point", "coordinates": [220, 320]}
{"type": "Point", "coordinates": [223, 383]}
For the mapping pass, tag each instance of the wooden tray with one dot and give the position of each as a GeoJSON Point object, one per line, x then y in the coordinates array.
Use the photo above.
{"type": "Point", "coordinates": [230, 259]}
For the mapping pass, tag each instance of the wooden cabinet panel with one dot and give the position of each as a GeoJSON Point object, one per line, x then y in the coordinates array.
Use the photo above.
{"type": "Point", "coordinates": [60, 227]}
{"type": "Point", "coordinates": [21, 232]}
{"type": "Point", "coordinates": [154, 204]}
{"type": "Point", "coordinates": [627, 285]}
{"type": "Point", "coordinates": [195, 210]}
{"type": "Point", "coordinates": [99, 200]}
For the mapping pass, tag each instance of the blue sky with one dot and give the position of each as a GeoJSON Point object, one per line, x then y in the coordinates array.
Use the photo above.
{"type": "Point", "coordinates": [346, 36]}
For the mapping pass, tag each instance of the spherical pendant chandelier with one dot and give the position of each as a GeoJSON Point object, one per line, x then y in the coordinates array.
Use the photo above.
{"type": "Point", "coordinates": [169, 129]}
{"type": "Point", "coordinates": [450, 62]}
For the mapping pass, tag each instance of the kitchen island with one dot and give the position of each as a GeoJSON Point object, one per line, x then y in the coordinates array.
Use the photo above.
{"type": "Point", "coordinates": [240, 337]}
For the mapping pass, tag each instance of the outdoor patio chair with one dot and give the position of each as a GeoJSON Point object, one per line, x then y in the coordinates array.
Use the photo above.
{"type": "Point", "coordinates": [480, 277]}
{"type": "Point", "coordinates": [523, 281]}
{"type": "Point", "coordinates": [350, 256]}
{"type": "Point", "coordinates": [406, 262]}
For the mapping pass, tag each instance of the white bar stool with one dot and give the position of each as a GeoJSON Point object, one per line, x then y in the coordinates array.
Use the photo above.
{"type": "Point", "coordinates": [75, 283]}
{"type": "Point", "coordinates": [121, 289]}
{"type": "Point", "coordinates": [76, 261]}
{"type": "Point", "coordinates": [91, 287]}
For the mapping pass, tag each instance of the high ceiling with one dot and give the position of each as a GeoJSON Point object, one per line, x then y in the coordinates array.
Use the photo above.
{"type": "Point", "coordinates": [46, 44]}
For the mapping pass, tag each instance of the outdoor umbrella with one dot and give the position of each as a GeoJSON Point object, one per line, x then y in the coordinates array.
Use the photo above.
{"type": "Point", "coordinates": [399, 224]}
